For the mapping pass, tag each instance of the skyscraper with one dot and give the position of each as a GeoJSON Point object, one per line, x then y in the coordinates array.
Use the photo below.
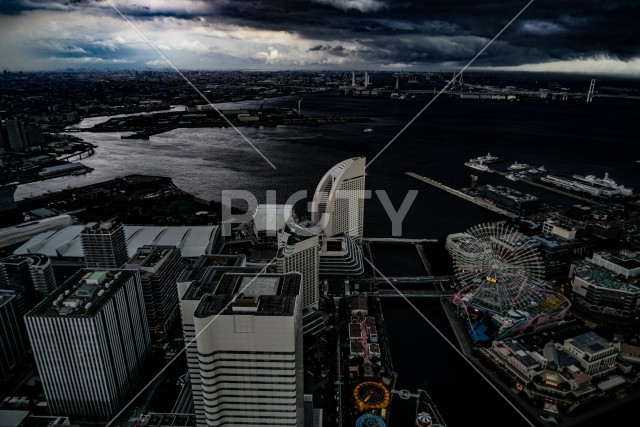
{"type": "Point", "coordinates": [13, 338]}
{"type": "Point", "coordinates": [15, 134]}
{"type": "Point", "coordinates": [250, 350]}
{"type": "Point", "coordinates": [104, 245]}
{"type": "Point", "coordinates": [338, 202]}
{"type": "Point", "coordinates": [35, 138]}
{"type": "Point", "coordinates": [300, 253]}
{"type": "Point", "coordinates": [90, 341]}
{"type": "Point", "coordinates": [192, 285]}
{"type": "Point", "coordinates": [159, 267]}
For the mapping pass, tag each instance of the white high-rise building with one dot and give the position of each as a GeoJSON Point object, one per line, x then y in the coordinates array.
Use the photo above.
{"type": "Point", "coordinates": [338, 202]}
{"type": "Point", "coordinates": [250, 351]}
{"type": "Point", "coordinates": [90, 341]}
{"type": "Point", "coordinates": [299, 253]}
{"type": "Point", "coordinates": [192, 285]}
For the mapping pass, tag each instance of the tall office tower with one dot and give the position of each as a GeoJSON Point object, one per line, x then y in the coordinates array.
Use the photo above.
{"type": "Point", "coordinates": [338, 203]}
{"type": "Point", "coordinates": [31, 273]}
{"type": "Point", "coordinates": [15, 134]}
{"type": "Point", "coordinates": [192, 285]}
{"type": "Point", "coordinates": [35, 137]}
{"type": "Point", "coordinates": [13, 337]}
{"type": "Point", "coordinates": [250, 351]}
{"type": "Point", "coordinates": [90, 341]}
{"type": "Point", "coordinates": [159, 267]}
{"type": "Point", "coordinates": [104, 245]}
{"type": "Point", "coordinates": [299, 253]}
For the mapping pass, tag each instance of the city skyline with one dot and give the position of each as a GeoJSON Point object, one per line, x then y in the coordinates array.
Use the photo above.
{"type": "Point", "coordinates": [590, 37]}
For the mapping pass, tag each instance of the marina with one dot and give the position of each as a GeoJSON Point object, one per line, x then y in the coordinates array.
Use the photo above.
{"type": "Point", "coordinates": [587, 188]}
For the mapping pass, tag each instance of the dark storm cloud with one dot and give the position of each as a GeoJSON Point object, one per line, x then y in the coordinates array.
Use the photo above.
{"type": "Point", "coordinates": [411, 32]}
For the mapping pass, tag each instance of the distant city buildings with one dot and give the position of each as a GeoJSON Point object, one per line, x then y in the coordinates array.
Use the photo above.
{"type": "Point", "coordinates": [251, 321]}
{"type": "Point", "coordinates": [159, 267]}
{"type": "Point", "coordinates": [21, 137]}
{"type": "Point", "coordinates": [90, 341]}
{"type": "Point", "coordinates": [104, 245]}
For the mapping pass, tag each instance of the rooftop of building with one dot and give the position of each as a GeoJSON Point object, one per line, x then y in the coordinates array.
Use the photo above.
{"type": "Point", "coordinates": [272, 217]}
{"type": "Point", "coordinates": [354, 330]}
{"type": "Point", "coordinates": [13, 418]}
{"type": "Point", "coordinates": [220, 261]}
{"type": "Point", "coordinates": [205, 280]}
{"type": "Point", "coordinates": [600, 276]}
{"type": "Point", "coordinates": [563, 222]}
{"type": "Point", "coordinates": [250, 293]}
{"type": "Point", "coordinates": [624, 259]}
{"type": "Point", "coordinates": [31, 259]}
{"type": "Point", "coordinates": [105, 227]}
{"type": "Point", "coordinates": [550, 241]}
{"type": "Point", "coordinates": [150, 258]}
{"type": "Point", "coordinates": [83, 294]}
{"type": "Point", "coordinates": [358, 303]}
{"type": "Point", "coordinates": [590, 343]}
{"type": "Point", "coordinates": [288, 239]}
{"type": "Point", "coordinates": [5, 297]}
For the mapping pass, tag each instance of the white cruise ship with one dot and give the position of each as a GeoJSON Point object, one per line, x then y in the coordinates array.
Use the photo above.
{"type": "Point", "coordinates": [518, 166]}
{"type": "Point", "coordinates": [478, 166]}
{"type": "Point", "coordinates": [605, 182]}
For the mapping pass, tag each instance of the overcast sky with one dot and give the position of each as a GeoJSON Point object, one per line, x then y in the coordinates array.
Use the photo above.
{"type": "Point", "coordinates": [590, 36]}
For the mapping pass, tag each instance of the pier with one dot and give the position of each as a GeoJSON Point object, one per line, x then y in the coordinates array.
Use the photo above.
{"type": "Point", "coordinates": [426, 293]}
{"type": "Point", "coordinates": [397, 240]}
{"type": "Point", "coordinates": [557, 190]}
{"type": "Point", "coordinates": [462, 195]}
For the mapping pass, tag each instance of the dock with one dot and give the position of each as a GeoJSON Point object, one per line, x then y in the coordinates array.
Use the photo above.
{"type": "Point", "coordinates": [458, 193]}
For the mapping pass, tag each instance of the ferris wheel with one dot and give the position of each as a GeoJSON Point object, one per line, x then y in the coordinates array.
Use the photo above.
{"type": "Point", "coordinates": [499, 268]}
